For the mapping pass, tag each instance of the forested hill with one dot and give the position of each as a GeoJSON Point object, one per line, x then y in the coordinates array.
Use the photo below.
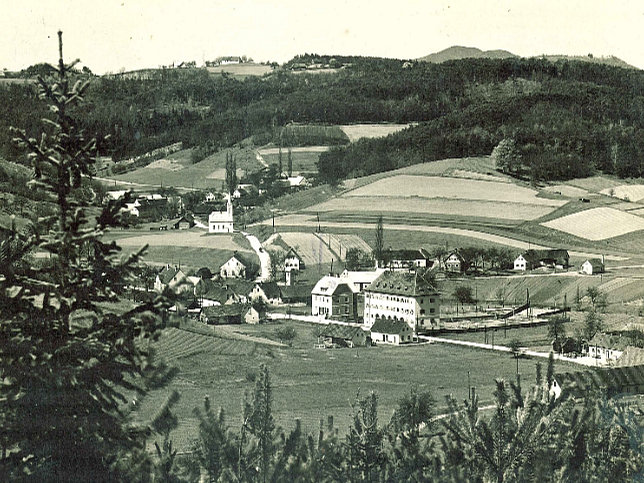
{"type": "Point", "coordinates": [564, 118]}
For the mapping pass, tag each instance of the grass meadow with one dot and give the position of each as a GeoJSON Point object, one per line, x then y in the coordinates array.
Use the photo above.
{"type": "Point", "coordinates": [310, 384]}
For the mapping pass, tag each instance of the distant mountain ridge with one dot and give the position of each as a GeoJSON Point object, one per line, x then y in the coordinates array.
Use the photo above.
{"type": "Point", "coordinates": [458, 52]}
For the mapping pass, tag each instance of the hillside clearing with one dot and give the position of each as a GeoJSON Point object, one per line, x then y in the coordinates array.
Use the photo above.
{"type": "Point", "coordinates": [630, 192]}
{"type": "Point", "coordinates": [597, 223]}
{"type": "Point", "coordinates": [359, 131]}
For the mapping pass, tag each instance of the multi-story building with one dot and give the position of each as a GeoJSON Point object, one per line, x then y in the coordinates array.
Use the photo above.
{"type": "Point", "coordinates": [221, 220]}
{"type": "Point", "coordinates": [402, 296]}
{"type": "Point", "coordinates": [334, 298]}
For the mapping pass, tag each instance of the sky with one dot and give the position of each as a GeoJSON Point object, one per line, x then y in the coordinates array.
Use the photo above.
{"type": "Point", "coordinates": [115, 35]}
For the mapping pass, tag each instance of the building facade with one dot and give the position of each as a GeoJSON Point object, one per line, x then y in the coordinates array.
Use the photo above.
{"type": "Point", "coordinates": [221, 221]}
{"type": "Point", "coordinates": [334, 298]}
{"type": "Point", "coordinates": [407, 297]}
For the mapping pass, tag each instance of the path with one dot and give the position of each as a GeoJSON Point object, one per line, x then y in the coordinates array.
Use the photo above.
{"type": "Point", "coordinates": [305, 220]}
{"type": "Point", "coordinates": [264, 257]}
{"type": "Point", "coordinates": [584, 361]}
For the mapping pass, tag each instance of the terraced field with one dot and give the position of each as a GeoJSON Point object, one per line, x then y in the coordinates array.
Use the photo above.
{"type": "Point", "coordinates": [597, 223]}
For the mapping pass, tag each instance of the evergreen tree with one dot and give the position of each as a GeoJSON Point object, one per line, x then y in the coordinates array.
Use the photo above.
{"type": "Point", "coordinates": [289, 161]}
{"type": "Point", "coordinates": [364, 443]}
{"type": "Point", "coordinates": [378, 250]}
{"type": "Point", "coordinates": [231, 174]}
{"type": "Point", "coordinates": [280, 168]}
{"type": "Point", "coordinates": [68, 362]}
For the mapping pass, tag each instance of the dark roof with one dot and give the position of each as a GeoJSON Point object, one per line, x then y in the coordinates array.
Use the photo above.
{"type": "Point", "coordinates": [457, 254]}
{"type": "Point", "coordinates": [403, 254]}
{"type": "Point", "coordinates": [402, 283]}
{"type": "Point", "coordinates": [595, 263]}
{"type": "Point", "coordinates": [167, 274]}
{"type": "Point", "coordinates": [241, 258]}
{"type": "Point", "coordinates": [535, 256]}
{"type": "Point", "coordinates": [224, 310]}
{"type": "Point", "coordinates": [342, 331]}
{"type": "Point", "coordinates": [271, 289]}
{"type": "Point", "coordinates": [207, 208]}
{"type": "Point", "coordinates": [387, 326]}
{"type": "Point", "coordinates": [295, 254]}
{"type": "Point", "coordinates": [296, 292]}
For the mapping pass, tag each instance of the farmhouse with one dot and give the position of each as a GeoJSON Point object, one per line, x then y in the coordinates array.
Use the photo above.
{"type": "Point", "coordinates": [404, 259]}
{"type": "Point", "coordinates": [336, 335]}
{"type": "Point", "coordinates": [220, 220]}
{"type": "Point", "coordinates": [223, 314]}
{"type": "Point", "coordinates": [333, 297]}
{"type": "Point", "coordinates": [406, 297]}
{"type": "Point", "coordinates": [387, 331]}
{"type": "Point", "coordinates": [184, 223]}
{"type": "Point", "coordinates": [235, 267]}
{"type": "Point", "coordinates": [297, 182]}
{"type": "Point", "coordinates": [267, 292]}
{"type": "Point", "coordinates": [592, 266]}
{"type": "Point", "coordinates": [254, 315]}
{"type": "Point", "coordinates": [455, 263]}
{"type": "Point", "coordinates": [172, 278]}
{"type": "Point", "coordinates": [532, 259]}
{"type": "Point", "coordinates": [607, 349]}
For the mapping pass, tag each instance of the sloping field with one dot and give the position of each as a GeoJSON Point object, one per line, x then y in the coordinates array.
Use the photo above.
{"type": "Point", "coordinates": [439, 206]}
{"type": "Point", "coordinates": [304, 159]}
{"type": "Point", "coordinates": [594, 183]}
{"type": "Point", "coordinates": [311, 248]}
{"type": "Point", "coordinates": [306, 149]}
{"type": "Point", "coordinates": [184, 238]}
{"type": "Point", "coordinates": [462, 173]}
{"type": "Point", "coordinates": [342, 243]}
{"type": "Point", "coordinates": [597, 223]}
{"type": "Point", "coordinates": [175, 343]}
{"type": "Point", "coordinates": [358, 131]}
{"type": "Point", "coordinates": [566, 190]}
{"type": "Point", "coordinates": [241, 69]}
{"type": "Point", "coordinates": [630, 192]}
{"type": "Point", "coordinates": [452, 188]}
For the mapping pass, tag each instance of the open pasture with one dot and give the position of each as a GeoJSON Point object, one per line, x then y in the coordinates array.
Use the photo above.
{"type": "Point", "coordinates": [184, 238]}
{"type": "Point", "coordinates": [359, 131]}
{"type": "Point", "coordinates": [597, 223]}
{"type": "Point", "coordinates": [452, 188]}
{"type": "Point", "coordinates": [594, 183]}
{"type": "Point", "coordinates": [310, 247]}
{"type": "Point", "coordinates": [341, 243]}
{"type": "Point", "coordinates": [311, 384]}
{"type": "Point", "coordinates": [304, 159]}
{"type": "Point", "coordinates": [566, 190]}
{"type": "Point", "coordinates": [241, 70]}
{"type": "Point", "coordinates": [630, 192]}
{"type": "Point", "coordinates": [438, 206]}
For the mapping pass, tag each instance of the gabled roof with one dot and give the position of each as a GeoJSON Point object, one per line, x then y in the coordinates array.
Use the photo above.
{"type": "Point", "coordinates": [167, 274]}
{"type": "Point", "coordinates": [386, 326]}
{"type": "Point", "coordinates": [292, 253]}
{"type": "Point", "coordinates": [240, 258]}
{"type": "Point", "coordinates": [535, 256]}
{"type": "Point", "coordinates": [362, 276]}
{"type": "Point", "coordinates": [596, 263]}
{"type": "Point", "coordinates": [342, 331]}
{"type": "Point", "coordinates": [402, 283]}
{"type": "Point", "coordinates": [328, 284]}
{"type": "Point", "coordinates": [271, 289]}
{"type": "Point", "coordinates": [419, 254]}
{"type": "Point", "coordinates": [456, 254]}
{"type": "Point", "coordinates": [224, 310]}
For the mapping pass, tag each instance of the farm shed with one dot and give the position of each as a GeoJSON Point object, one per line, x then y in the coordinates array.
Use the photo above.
{"type": "Point", "coordinates": [223, 314]}
{"type": "Point", "coordinates": [592, 266]}
{"type": "Point", "coordinates": [344, 336]}
{"type": "Point", "coordinates": [386, 331]}
{"type": "Point", "coordinates": [184, 223]}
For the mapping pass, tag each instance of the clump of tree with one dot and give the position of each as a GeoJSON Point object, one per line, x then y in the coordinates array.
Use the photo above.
{"type": "Point", "coordinates": [68, 363]}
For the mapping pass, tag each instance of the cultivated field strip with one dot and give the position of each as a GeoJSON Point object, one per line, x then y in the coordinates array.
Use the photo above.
{"type": "Point", "coordinates": [309, 247]}
{"type": "Point", "coordinates": [614, 284]}
{"type": "Point", "coordinates": [597, 223]}
{"type": "Point", "coordinates": [631, 192]}
{"type": "Point", "coordinates": [176, 344]}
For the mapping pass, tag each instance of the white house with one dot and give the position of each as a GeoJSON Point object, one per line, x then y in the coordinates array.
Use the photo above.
{"type": "Point", "coordinates": [235, 267]}
{"type": "Point", "coordinates": [606, 349]}
{"type": "Point", "coordinates": [386, 331]}
{"type": "Point", "coordinates": [334, 297]}
{"type": "Point", "coordinates": [455, 263]}
{"type": "Point", "coordinates": [592, 266]}
{"type": "Point", "coordinates": [292, 261]}
{"type": "Point", "coordinates": [221, 221]}
{"type": "Point", "coordinates": [403, 296]}
{"type": "Point", "coordinates": [361, 278]}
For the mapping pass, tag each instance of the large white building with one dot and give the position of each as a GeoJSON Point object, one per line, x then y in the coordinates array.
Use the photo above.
{"type": "Point", "coordinates": [334, 297]}
{"type": "Point", "coordinates": [221, 221]}
{"type": "Point", "coordinates": [402, 296]}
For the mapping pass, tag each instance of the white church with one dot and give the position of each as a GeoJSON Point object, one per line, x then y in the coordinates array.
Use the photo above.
{"type": "Point", "coordinates": [221, 221]}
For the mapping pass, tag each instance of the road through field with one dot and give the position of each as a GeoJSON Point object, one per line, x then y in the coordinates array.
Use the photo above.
{"type": "Point", "coordinates": [304, 220]}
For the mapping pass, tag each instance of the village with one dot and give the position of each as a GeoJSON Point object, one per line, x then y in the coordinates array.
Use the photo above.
{"type": "Point", "coordinates": [396, 298]}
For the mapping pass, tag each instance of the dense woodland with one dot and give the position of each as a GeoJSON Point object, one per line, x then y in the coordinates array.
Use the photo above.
{"type": "Point", "coordinates": [567, 118]}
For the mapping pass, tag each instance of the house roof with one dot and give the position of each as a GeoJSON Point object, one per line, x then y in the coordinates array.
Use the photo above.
{"type": "Point", "coordinates": [271, 289]}
{"type": "Point", "coordinates": [328, 284]}
{"type": "Point", "coordinates": [342, 331]}
{"type": "Point", "coordinates": [613, 342]}
{"type": "Point", "coordinates": [167, 274]}
{"type": "Point", "coordinates": [296, 292]}
{"type": "Point", "coordinates": [632, 356]}
{"type": "Point", "coordinates": [292, 253]}
{"type": "Point", "coordinates": [419, 254]}
{"type": "Point", "coordinates": [362, 277]}
{"type": "Point", "coordinates": [402, 283]}
{"type": "Point", "coordinates": [387, 326]}
{"type": "Point", "coordinates": [535, 256]}
{"type": "Point", "coordinates": [224, 310]}
{"type": "Point", "coordinates": [240, 258]}
{"type": "Point", "coordinates": [456, 254]}
{"type": "Point", "coordinates": [596, 263]}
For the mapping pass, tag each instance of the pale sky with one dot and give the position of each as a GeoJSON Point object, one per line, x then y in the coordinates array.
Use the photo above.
{"type": "Point", "coordinates": [109, 35]}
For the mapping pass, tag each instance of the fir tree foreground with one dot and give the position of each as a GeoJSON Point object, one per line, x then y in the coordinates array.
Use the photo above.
{"type": "Point", "coordinates": [66, 361]}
